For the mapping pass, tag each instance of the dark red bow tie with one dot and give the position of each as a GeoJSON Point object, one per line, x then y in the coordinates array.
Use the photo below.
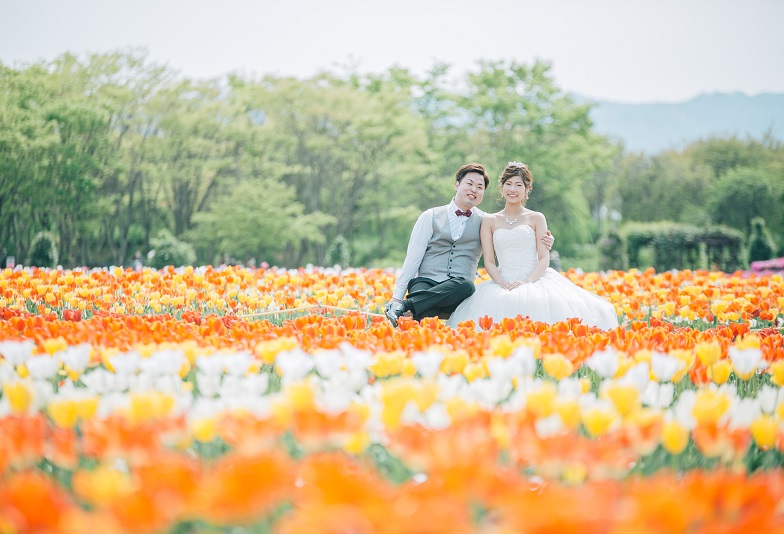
{"type": "Point", "coordinates": [461, 213]}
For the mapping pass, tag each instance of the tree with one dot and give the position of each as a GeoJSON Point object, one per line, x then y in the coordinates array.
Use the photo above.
{"type": "Point", "coordinates": [347, 152]}
{"type": "Point", "coordinates": [761, 245]}
{"type": "Point", "coordinates": [743, 193]}
{"type": "Point", "coordinates": [516, 112]}
{"type": "Point", "coordinates": [665, 187]}
{"type": "Point", "coordinates": [261, 219]}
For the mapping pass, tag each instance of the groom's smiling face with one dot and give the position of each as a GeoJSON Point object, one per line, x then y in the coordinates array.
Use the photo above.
{"type": "Point", "coordinates": [470, 190]}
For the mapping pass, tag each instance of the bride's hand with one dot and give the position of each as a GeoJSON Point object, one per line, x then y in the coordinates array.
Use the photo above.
{"type": "Point", "coordinates": [510, 286]}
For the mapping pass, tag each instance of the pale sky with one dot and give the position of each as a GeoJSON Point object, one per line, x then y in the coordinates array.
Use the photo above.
{"type": "Point", "coordinates": [617, 50]}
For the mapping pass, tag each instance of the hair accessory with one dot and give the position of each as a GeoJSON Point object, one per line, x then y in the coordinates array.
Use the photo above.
{"type": "Point", "coordinates": [518, 164]}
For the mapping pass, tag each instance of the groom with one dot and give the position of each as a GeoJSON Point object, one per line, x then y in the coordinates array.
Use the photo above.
{"type": "Point", "coordinates": [443, 252]}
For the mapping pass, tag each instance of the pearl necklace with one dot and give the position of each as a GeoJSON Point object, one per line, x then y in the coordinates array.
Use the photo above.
{"type": "Point", "coordinates": [511, 223]}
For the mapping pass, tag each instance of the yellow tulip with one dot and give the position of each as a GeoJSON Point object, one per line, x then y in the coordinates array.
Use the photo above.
{"type": "Point", "coordinates": [597, 421]}
{"type": "Point", "coordinates": [475, 370]}
{"type": "Point", "coordinates": [148, 406]}
{"type": "Point", "coordinates": [624, 364]}
{"type": "Point", "coordinates": [459, 409]}
{"type": "Point", "coordinates": [685, 356]}
{"type": "Point", "coordinates": [585, 384]}
{"type": "Point", "coordinates": [204, 429]}
{"type": "Point", "coordinates": [63, 412]}
{"type": "Point", "coordinates": [709, 406]}
{"type": "Point", "coordinates": [387, 364]}
{"type": "Point", "coordinates": [749, 341]}
{"type": "Point", "coordinates": [569, 412]}
{"type": "Point", "coordinates": [501, 346]}
{"type": "Point", "coordinates": [776, 371]}
{"type": "Point", "coordinates": [625, 398]}
{"type": "Point", "coordinates": [500, 432]}
{"type": "Point", "coordinates": [454, 362]}
{"type": "Point", "coordinates": [708, 352]}
{"type": "Point", "coordinates": [86, 407]}
{"type": "Point", "coordinates": [53, 345]}
{"type": "Point", "coordinates": [674, 437]}
{"type": "Point", "coordinates": [574, 473]}
{"type": "Point", "coordinates": [267, 351]}
{"type": "Point", "coordinates": [409, 368]}
{"type": "Point", "coordinates": [764, 430]}
{"type": "Point", "coordinates": [300, 396]}
{"type": "Point", "coordinates": [102, 485]}
{"type": "Point", "coordinates": [357, 442]}
{"type": "Point", "coordinates": [19, 396]}
{"type": "Point", "coordinates": [557, 366]}
{"type": "Point", "coordinates": [720, 371]}
{"type": "Point", "coordinates": [541, 402]}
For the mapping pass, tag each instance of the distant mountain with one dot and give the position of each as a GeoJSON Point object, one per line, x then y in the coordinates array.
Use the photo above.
{"type": "Point", "coordinates": [651, 128]}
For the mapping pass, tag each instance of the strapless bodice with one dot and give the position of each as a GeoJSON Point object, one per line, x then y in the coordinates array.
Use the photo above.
{"type": "Point", "coordinates": [515, 249]}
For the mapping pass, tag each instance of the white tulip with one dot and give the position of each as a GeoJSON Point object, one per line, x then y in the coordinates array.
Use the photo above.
{"type": "Point", "coordinates": [42, 367]}
{"type": "Point", "coordinates": [436, 417]}
{"type": "Point", "coordinates": [328, 363]}
{"type": "Point", "coordinates": [256, 384]}
{"type": "Point", "coordinates": [664, 366]}
{"type": "Point", "coordinates": [355, 358]}
{"type": "Point", "coordinates": [210, 365]}
{"type": "Point", "coordinates": [207, 383]}
{"type": "Point", "coordinates": [17, 352]}
{"type": "Point", "coordinates": [638, 376]}
{"type": "Point", "coordinates": [547, 427]}
{"type": "Point", "coordinates": [237, 363]}
{"type": "Point", "coordinates": [768, 398]}
{"type": "Point", "coordinates": [745, 361]}
{"type": "Point", "coordinates": [428, 362]}
{"type": "Point", "coordinates": [523, 356]}
{"type": "Point", "coordinates": [742, 412]}
{"type": "Point", "coordinates": [569, 389]}
{"type": "Point", "coordinates": [658, 396]}
{"type": "Point", "coordinates": [126, 363]}
{"type": "Point", "coordinates": [77, 357]}
{"type": "Point", "coordinates": [294, 364]}
{"type": "Point", "coordinates": [604, 362]}
{"type": "Point", "coordinates": [683, 411]}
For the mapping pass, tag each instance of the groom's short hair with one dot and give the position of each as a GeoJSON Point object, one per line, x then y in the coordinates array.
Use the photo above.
{"type": "Point", "coordinates": [472, 167]}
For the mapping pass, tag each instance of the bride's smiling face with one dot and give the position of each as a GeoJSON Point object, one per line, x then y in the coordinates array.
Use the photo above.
{"type": "Point", "coordinates": [514, 189]}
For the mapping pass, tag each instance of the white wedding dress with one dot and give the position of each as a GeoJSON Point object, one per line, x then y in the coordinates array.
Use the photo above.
{"type": "Point", "coordinates": [552, 298]}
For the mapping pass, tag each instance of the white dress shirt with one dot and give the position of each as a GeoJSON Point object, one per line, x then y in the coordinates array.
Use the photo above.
{"type": "Point", "coordinates": [420, 238]}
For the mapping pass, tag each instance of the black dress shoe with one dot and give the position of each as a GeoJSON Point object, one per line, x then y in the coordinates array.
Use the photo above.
{"type": "Point", "coordinates": [393, 311]}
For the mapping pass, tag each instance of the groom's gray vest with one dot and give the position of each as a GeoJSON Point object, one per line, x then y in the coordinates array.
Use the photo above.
{"type": "Point", "coordinates": [447, 258]}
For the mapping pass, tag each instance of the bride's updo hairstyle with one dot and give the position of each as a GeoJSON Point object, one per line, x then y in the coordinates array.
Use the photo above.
{"type": "Point", "coordinates": [516, 168]}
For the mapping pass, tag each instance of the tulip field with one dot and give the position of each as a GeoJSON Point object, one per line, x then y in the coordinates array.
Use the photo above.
{"type": "Point", "coordinates": [212, 400]}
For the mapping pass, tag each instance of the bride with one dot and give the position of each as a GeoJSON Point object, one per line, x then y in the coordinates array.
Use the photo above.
{"type": "Point", "coordinates": [523, 282]}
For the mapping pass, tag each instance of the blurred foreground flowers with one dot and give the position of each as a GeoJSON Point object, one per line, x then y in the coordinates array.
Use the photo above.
{"type": "Point", "coordinates": [204, 399]}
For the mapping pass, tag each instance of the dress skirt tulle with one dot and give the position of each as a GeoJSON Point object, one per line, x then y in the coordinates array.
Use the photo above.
{"type": "Point", "coordinates": [550, 299]}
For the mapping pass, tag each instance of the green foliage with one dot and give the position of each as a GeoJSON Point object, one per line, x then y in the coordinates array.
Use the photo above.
{"type": "Point", "coordinates": [110, 149]}
{"type": "Point", "coordinates": [43, 250]}
{"type": "Point", "coordinates": [168, 250]}
{"type": "Point", "coordinates": [743, 193]}
{"type": "Point", "coordinates": [761, 245]}
{"type": "Point", "coordinates": [683, 246]}
{"type": "Point", "coordinates": [612, 247]}
{"type": "Point", "coordinates": [259, 219]}
{"type": "Point", "coordinates": [338, 252]}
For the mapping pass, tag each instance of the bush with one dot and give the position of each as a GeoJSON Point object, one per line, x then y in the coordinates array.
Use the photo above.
{"type": "Point", "coordinates": [761, 245]}
{"type": "Point", "coordinates": [338, 253]}
{"type": "Point", "coordinates": [43, 250]}
{"type": "Point", "coordinates": [613, 252]}
{"type": "Point", "coordinates": [683, 246]}
{"type": "Point", "coordinates": [168, 250]}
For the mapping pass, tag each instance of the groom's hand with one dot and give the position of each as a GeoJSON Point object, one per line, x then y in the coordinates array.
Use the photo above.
{"type": "Point", "coordinates": [548, 239]}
